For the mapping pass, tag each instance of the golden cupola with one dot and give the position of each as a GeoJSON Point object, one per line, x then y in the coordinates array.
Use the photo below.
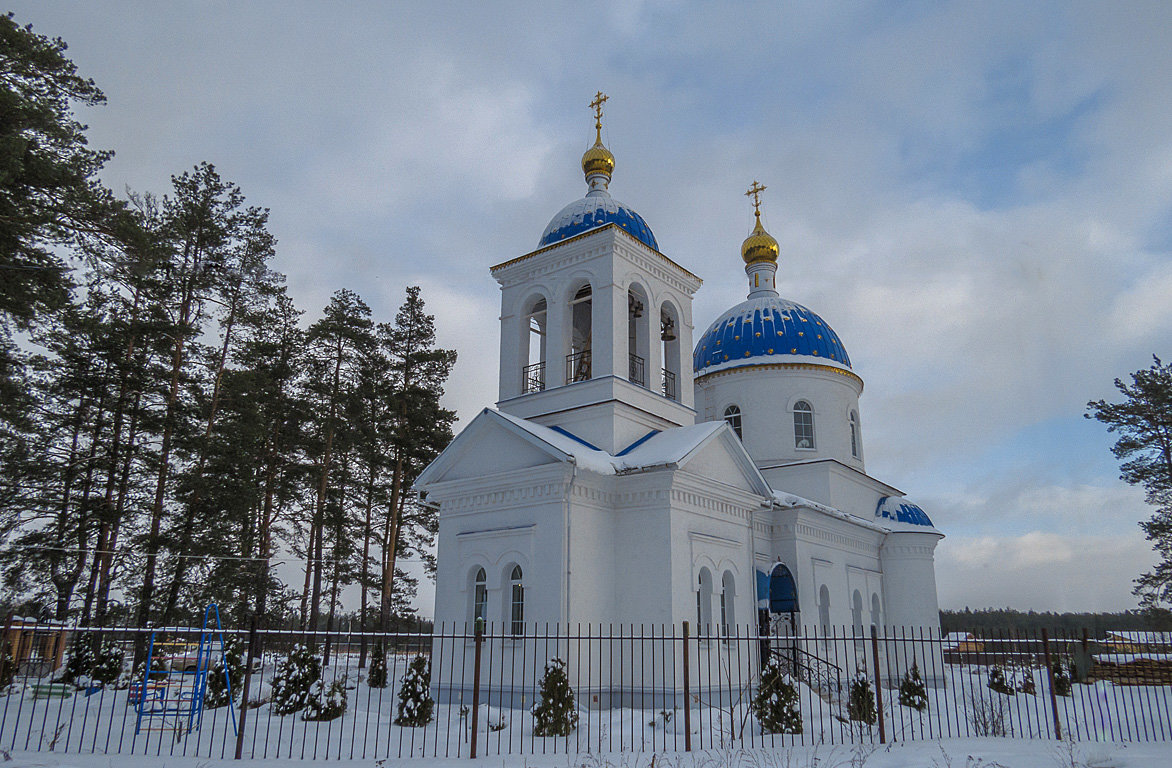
{"type": "Point", "coordinates": [598, 159]}
{"type": "Point", "coordinates": [759, 246]}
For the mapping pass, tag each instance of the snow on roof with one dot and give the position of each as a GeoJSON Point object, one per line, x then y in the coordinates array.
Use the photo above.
{"type": "Point", "coordinates": [790, 501]}
{"type": "Point", "coordinates": [1139, 636]}
{"type": "Point", "coordinates": [655, 449]}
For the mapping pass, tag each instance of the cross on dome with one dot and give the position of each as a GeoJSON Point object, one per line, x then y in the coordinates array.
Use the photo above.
{"type": "Point", "coordinates": [598, 162]}
{"type": "Point", "coordinates": [755, 192]}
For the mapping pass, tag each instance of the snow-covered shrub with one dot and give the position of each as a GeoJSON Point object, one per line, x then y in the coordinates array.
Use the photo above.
{"type": "Point", "coordinates": [776, 701]}
{"type": "Point", "coordinates": [325, 703]}
{"type": "Point", "coordinates": [1025, 681]}
{"type": "Point", "coordinates": [294, 678]}
{"type": "Point", "coordinates": [999, 682]}
{"type": "Point", "coordinates": [1063, 675]}
{"type": "Point", "coordinates": [555, 714]}
{"type": "Point", "coordinates": [376, 676]}
{"type": "Point", "coordinates": [217, 691]}
{"type": "Point", "coordinates": [860, 705]}
{"type": "Point", "coordinates": [912, 691]}
{"type": "Point", "coordinates": [87, 666]}
{"type": "Point", "coordinates": [415, 702]}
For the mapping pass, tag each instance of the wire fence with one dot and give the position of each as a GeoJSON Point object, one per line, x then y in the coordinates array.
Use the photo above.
{"type": "Point", "coordinates": [633, 688]}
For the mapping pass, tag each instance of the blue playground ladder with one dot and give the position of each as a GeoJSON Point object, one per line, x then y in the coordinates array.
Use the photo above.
{"type": "Point", "coordinates": [153, 699]}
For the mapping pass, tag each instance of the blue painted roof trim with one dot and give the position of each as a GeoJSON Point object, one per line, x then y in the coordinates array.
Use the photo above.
{"type": "Point", "coordinates": [776, 328]}
{"type": "Point", "coordinates": [575, 438]}
{"type": "Point", "coordinates": [902, 511]}
{"type": "Point", "coordinates": [638, 442]}
{"type": "Point", "coordinates": [599, 217]}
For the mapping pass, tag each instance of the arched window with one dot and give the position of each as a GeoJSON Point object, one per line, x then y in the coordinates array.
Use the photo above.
{"type": "Point", "coordinates": [669, 336]}
{"type": "Point", "coordinates": [875, 611]}
{"type": "Point", "coordinates": [638, 335]}
{"type": "Point", "coordinates": [857, 612]}
{"type": "Point", "coordinates": [854, 434]}
{"type": "Point", "coordinates": [517, 603]}
{"type": "Point", "coordinates": [581, 316]}
{"type": "Point", "coordinates": [533, 375]}
{"type": "Point", "coordinates": [824, 607]}
{"type": "Point", "coordinates": [732, 415]}
{"type": "Point", "coordinates": [727, 592]}
{"type": "Point", "coordinates": [480, 595]}
{"type": "Point", "coordinates": [704, 602]}
{"type": "Point", "coordinates": [803, 426]}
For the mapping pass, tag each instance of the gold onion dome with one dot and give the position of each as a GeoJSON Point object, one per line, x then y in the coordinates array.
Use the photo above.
{"type": "Point", "coordinates": [759, 246]}
{"type": "Point", "coordinates": [598, 159]}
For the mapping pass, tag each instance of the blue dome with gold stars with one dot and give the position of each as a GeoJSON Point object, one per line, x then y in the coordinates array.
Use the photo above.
{"type": "Point", "coordinates": [768, 329]}
{"type": "Point", "coordinates": [596, 210]}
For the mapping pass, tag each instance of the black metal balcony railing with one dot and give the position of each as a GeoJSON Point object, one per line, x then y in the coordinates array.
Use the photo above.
{"type": "Point", "coordinates": [533, 377]}
{"type": "Point", "coordinates": [636, 370]}
{"type": "Point", "coordinates": [578, 366]}
{"type": "Point", "coordinates": [669, 385]}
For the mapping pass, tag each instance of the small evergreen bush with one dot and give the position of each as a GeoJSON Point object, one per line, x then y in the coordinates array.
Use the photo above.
{"type": "Point", "coordinates": [217, 691]}
{"type": "Point", "coordinates": [376, 676]}
{"type": "Point", "coordinates": [999, 682]}
{"type": "Point", "coordinates": [86, 667]}
{"type": "Point", "coordinates": [912, 691]}
{"type": "Point", "coordinates": [1063, 676]}
{"type": "Point", "coordinates": [1025, 682]}
{"type": "Point", "coordinates": [555, 714]}
{"type": "Point", "coordinates": [324, 703]}
{"type": "Point", "coordinates": [776, 701]}
{"type": "Point", "coordinates": [860, 704]}
{"type": "Point", "coordinates": [415, 702]}
{"type": "Point", "coordinates": [294, 678]}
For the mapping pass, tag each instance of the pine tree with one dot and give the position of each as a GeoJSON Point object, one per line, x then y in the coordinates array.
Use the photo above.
{"type": "Point", "coordinates": [1062, 677]}
{"type": "Point", "coordinates": [555, 714]}
{"type": "Point", "coordinates": [376, 676]}
{"type": "Point", "coordinates": [776, 702]}
{"type": "Point", "coordinates": [861, 700]}
{"type": "Point", "coordinates": [415, 702]}
{"type": "Point", "coordinates": [912, 691]}
{"type": "Point", "coordinates": [1144, 423]}
{"type": "Point", "coordinates": [325, 702]}
{"type": "Point", "coordinates": [294, 678]}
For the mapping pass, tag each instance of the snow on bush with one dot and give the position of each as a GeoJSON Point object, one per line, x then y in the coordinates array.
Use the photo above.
{"type": "Point", "coordinates": [324, 703]}
{"type": "Point", "coordinates": [555, 714]}
{"type": "Point", "coordinates": [999, 682]}
{"type": "Point", "coordinates": [294, 678]}
{"type": "Point", "coordinates": [221, 675]}
{"type": "Point", "coordinates": [776, 701]}
{"type": "Point", "coordinates": [912, 691]}
{"type": "Point", "coordinates": [860, 704]}
{"type": "Point", "coordinates": [415, 702]}
{"type": "Point", "coordinates": [1063, 674]}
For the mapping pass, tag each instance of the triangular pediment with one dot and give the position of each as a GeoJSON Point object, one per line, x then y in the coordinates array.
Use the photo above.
{"type": "Point", "coordinates": [722, 458]}
{"type": "Point", "coordinates": [489, 445]}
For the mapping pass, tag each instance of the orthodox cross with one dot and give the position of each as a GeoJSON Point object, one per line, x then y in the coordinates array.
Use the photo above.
{"type": "Point", "coordinates": [599, 99]}
{"type": "Point", "coordinates": [755, 193]}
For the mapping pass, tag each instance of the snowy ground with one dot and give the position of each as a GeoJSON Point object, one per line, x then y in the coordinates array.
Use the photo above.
{"type": "Point", "coordinates": [949, 753]}
{"type": "Point", "coordinates": [1103, 712]}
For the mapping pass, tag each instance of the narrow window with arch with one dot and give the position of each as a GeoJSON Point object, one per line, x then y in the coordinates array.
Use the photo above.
{"type": "Point", "coordinates": [479, 596]}
{"type": "Point", "coordinates": [732, 415]}
{"type": "Point", "coordinates": [854, 434]}
{"type": "Point", "coordinates": [704, 602]}
{"type": "Point", "coordinates": [727, 593]}
{"type": "Point", "coordinates": [578, 363]}
{"type": "Point", "coordinates": [803, 426]}
{"type": "Point", "coordinates": [517, 606]}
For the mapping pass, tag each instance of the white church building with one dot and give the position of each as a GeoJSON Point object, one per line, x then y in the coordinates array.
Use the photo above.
{"type": "Point", "coordinates": [621, 480]}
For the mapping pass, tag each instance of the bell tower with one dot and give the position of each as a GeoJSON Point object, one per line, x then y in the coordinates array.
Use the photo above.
{"type": "Point", "coordinates": [596, 323]}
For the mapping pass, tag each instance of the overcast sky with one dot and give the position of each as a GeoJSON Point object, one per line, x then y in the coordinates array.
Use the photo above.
{"type": "Point", "coordinates": [977, 197]}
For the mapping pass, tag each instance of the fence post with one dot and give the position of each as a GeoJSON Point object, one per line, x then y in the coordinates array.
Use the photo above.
{"type": "Point", "coordinates": [878, 684]}
{"type": "Point", "coordinates": [249, 655]}
{"type": "Point", "coordinates": [1050, 680]}
{"type": "Point", "coordinates": [687, 697]}
{"type": "Point", "coordinates": [4, 650]}
{"type": "Point", "coordinates": [478, 641]}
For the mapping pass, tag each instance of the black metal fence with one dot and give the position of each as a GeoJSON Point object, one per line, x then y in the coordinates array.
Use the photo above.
{"type": "Point", "coordinates": [641, 688]}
